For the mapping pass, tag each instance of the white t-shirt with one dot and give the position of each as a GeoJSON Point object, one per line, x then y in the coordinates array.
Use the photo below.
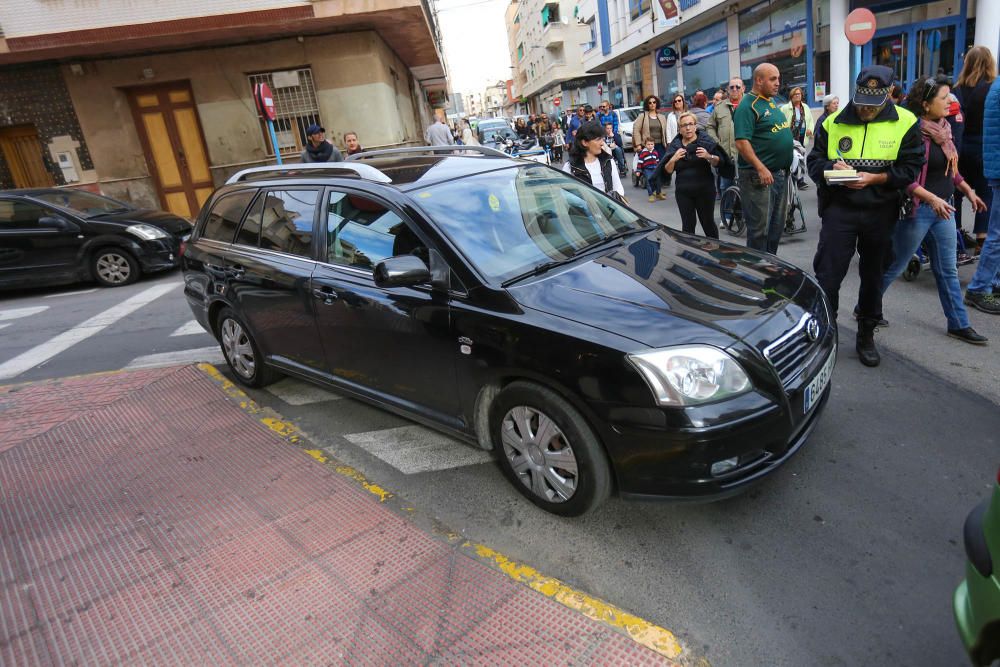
{"type": "Point", "coordinates": [597, 178]}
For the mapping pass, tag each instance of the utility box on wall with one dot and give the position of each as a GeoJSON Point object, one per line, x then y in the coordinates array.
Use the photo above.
{"type": "Point", "coordinates": [68, 167]}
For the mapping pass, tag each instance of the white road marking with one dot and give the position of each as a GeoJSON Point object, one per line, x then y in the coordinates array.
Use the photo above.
{"type": "Point", "coordinates": [413, 449]}
{"type": "Point", "coordinates": [189, 329]}
{"type": "Point", "coordinates": [83, 291]}
{"type": "Point", "coordinates": [18, 313]}
{"type": "Point", "coordinates": [67, 339]}
{"type": "Point", "coordinates": [4, 325]}
{"type": "Point", "coordinates": [297, 392]}
{"type": "Point", "coordinates": [211, 355]}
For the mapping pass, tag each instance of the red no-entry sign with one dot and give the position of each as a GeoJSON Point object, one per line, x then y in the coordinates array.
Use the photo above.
{"type": "Point", "coordinates": [264, 100]}
{"type": "Point", "coordinates": [860, 27]}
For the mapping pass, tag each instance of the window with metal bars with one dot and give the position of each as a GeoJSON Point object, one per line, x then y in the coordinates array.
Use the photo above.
{"type": "Point", "coordinates": [295, 107]}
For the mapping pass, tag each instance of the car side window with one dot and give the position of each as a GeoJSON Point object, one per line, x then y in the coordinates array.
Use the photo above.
{"type": "Point", "coordinates": [19, 215]}
{"type": "Point", "coordinates": [225, 216]}
{"type": "Point", "coordinates": [249, 233]}
{"type": "Point", "coordinates": [287, 221]}
{"type": "Point", "coordinates": [361, 232]}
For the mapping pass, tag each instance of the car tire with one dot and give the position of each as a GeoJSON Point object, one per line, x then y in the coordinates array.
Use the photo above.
{"type": "Point", "coordinates": [532, 429]}
{"type": "Point", "coordinates": [114, 267]}
{"type": "Point", "coordinates": [241, 352]}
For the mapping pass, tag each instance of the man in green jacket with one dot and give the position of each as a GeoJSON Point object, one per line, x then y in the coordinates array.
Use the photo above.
{"type": "Point", "coordinates": [720, 126]}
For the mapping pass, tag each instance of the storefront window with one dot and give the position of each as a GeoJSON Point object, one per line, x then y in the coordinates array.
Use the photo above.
{"type": "Point", "coordinates": [774, 32]}
{"type": "Point", "coordinates": [705, 58]}
{"type": "Point", "coordinates": [666, 81]}
{"type": "Point", "coordinates": [625, 85]}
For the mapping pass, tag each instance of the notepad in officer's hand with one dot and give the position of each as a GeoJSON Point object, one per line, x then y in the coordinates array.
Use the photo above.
{"type": "Point", "coordinates": [841, 176]}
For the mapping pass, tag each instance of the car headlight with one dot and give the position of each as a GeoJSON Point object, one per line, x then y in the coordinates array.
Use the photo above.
{"type": "Point", "coordinates": [691, 374]}
{"type": "Point", "coordinates": [146, 232]}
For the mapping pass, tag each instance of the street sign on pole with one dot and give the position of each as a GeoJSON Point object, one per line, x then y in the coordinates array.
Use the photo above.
{"type": "Point", "coordinates": [860, 27]}
{"type": "Point", "coordinates": [557, 101]}
{"type": "Point", "coordinates": [265, 107]}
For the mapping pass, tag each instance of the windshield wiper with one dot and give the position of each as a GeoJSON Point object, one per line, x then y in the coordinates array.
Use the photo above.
{"type": "Point", "coordinates": [619, 235]}
{"type": "Point", "coordinates": [538, 270]}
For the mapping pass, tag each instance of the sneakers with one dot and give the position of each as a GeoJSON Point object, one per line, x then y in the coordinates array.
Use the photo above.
{"type": "Point", "coordinates": [986, 302]}
{"type": "Point", "coordinates": [969, 335]}
{"type": "Point", "coordinates": [882, 322]}
{"type": "Point", "coordinates": [965, 258]}
{"type": "Point", "coordinates": [803, 185]}
{"type": "Point", "coordinates": [652, 197]}
{"type": "Point", "coordinates": [661, 196]}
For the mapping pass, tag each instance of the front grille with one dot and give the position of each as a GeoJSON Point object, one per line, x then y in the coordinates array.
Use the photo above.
{"type": "Point", "coordinates": [793, 351]}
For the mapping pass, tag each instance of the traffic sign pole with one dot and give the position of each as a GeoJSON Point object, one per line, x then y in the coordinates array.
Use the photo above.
{"type": "Point", "coordinates": [274, 140]}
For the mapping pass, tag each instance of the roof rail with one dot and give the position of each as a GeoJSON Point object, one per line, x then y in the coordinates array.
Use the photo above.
{"type": "Point", "coordinates": [364, 171]}
{"type": "Point", "coordinates": [412, 150]}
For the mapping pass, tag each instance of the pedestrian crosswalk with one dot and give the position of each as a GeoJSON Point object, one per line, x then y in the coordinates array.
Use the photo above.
{"type": "Point", "coordinates": [25, 354]}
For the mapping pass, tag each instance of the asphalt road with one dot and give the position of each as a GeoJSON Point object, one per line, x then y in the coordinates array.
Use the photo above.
{"type": "Point", "coordinates": [848, 556]}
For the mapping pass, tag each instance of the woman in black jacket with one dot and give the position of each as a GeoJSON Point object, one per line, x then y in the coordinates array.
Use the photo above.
{"type": "Point", "coordinates": [590, 160]}
{"type": "Point", "coordinates": [978, 72]}
{"type": "Point", "coordinates": [692, 155]}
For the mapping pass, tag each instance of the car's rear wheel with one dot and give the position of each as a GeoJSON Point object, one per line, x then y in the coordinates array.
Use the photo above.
{"type": "Point", "coordinates": [115, 267]}
{"type": "Point", "coordinates": [241, 352]}
{"type": "Point", "coordinates": [548, 451]}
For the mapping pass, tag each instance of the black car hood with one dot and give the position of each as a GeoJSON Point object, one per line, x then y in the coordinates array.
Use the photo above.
{"type": "Point", "coordinates": [667, 288]}
{"type": "Point", "coordinates": [168, 222]}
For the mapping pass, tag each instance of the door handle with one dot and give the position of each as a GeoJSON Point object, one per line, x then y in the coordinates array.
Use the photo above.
{"type": "Point", "coordinates": [325, 294]}
{"type": "Point", "coordinates": [237, 271]}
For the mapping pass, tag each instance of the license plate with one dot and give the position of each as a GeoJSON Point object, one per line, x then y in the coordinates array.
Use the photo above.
{"type": "Point", "coordinates": [815, 388]}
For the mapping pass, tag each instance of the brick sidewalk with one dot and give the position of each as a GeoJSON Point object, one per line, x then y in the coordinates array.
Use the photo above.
{"type": "Point", "coordinates": [145, 517]}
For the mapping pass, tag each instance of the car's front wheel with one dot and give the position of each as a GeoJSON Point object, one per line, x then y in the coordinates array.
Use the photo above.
{"type": "Point", "coordinates": [548, 451]}
{"type": "Point", "coordinates": [115, 267]}
{"type": "Point", "coordinates": [241, 352]}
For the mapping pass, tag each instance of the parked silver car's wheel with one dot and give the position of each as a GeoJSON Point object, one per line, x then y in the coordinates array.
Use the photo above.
{"type": "Point", "coordinates": [241, 352]}
{"type": "Point", "coordinates": [115, 267]}
{"type": "Point", "coordinates": [548, 451]}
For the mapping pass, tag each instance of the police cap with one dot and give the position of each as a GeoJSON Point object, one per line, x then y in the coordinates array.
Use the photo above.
{"type": "Point", "coordinates": [872, 86]}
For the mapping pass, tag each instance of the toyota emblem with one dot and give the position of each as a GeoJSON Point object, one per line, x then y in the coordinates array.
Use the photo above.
{"type": "Point", "coordinates": [812, 329]}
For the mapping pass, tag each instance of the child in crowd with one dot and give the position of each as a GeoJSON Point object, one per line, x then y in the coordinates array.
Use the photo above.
{"type": "Point", "coordinates": [648, 159]}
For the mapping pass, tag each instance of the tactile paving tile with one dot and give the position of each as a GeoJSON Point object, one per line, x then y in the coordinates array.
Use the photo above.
{"type": "Point", "coordinates": [150, 520]}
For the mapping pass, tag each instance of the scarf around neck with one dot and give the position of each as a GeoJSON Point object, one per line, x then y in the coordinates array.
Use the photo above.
{"type": "Point", "coordinates": [939, 132]}
{"type": "Point", "coordinates": [320, 153]}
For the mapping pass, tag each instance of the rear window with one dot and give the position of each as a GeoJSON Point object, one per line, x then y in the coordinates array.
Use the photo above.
{"type": "Point", "coordinates": [224, 218]}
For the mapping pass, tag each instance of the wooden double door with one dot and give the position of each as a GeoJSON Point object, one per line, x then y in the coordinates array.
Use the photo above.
{"type": "Point", "coordinates": [170, 132]}
{"type": "Point", "coordinates": [22, 151]}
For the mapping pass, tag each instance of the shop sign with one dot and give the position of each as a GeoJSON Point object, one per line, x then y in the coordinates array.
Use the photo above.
{"type": "Point", "coordinates": [437, 98]}
{"type": "Point", "coordinates": [666, 57]}
{"type": "Point", "coordinates": [668, 15]}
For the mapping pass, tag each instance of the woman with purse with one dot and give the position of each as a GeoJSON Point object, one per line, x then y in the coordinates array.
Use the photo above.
{"type": "Point", "coordinates": [692, 155]}
{"type": "Point", "coordinates": [652, 125]}
{"type": "Point", "coordinates": [592, 162]}
{"type": "Point", "coordinates": [932, 218]}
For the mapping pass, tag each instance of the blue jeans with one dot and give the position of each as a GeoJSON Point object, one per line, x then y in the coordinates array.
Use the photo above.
{"type": "Point", "coordinates": [724, 183]}
{"type": "Point", "coordinates": [988, 272]}
{"type": "Point", "coordinates": [942, 245]}
{"type": "Point", "coordinates": [764, 209]}
{"type": "Point", "coordinates": [650, 174]}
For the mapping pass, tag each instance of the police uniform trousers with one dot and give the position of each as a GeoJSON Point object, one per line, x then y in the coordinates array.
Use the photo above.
{"type": "Point", "coordinates": [847, 230]}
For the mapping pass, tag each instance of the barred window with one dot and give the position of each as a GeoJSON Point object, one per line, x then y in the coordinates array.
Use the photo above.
{"type": "Point", "coordinates": [294, 104]}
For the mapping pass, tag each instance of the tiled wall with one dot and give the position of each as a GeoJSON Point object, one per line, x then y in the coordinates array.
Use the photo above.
{"type": "Point", "coordinates": [38, 96]}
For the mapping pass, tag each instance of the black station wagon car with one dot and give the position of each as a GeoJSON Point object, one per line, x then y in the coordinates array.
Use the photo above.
{"type": "Point", "coordinates": [513, 306]}
{"type": "Point", "coordinates": [52, 236]}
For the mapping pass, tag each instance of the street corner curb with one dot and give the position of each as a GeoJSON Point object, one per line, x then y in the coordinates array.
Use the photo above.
{"type": "Point", "coordinates": [653, 637]}
{"type": "Point", "coordinates": [13, 386]}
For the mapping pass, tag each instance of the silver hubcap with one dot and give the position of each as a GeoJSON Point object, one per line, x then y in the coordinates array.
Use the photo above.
{"type": "Point", "coordinates": [113, 268]}
{"type": "Point", "coordinates": [539, 453]}
{"type": "Point", "coordinates": [236, 345]}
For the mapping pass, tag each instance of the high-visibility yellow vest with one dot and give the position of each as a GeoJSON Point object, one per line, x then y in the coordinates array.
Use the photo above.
{"type": "Point", "coordinates": [870, 144]}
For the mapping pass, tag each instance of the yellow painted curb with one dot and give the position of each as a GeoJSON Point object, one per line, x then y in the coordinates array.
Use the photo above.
{"type": "Point", "coordinates": [655, 638]}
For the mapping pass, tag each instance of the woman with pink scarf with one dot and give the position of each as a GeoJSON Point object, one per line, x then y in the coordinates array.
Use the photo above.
{"type": "Point", "coordinates": [932, 218]}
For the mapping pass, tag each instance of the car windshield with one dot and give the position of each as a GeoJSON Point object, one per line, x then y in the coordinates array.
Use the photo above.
{"type": "Point", "coordinates": [83, 202]}
{"type": "Point", "coordinates": [495, 134]}
{"type": "Point", "coordinates": [628, 115]}
{"type": "Point", "coordinates": [510, 221]}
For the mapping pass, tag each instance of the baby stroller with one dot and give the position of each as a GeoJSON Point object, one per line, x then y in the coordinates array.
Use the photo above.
{"type": "Point", "coordinates": [638, 178]}
{"type": "Point", "coordinates": [795, 174]}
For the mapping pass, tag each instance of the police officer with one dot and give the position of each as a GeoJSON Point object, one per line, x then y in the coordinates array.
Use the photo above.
{"type": "Point", "coordinates": [882, 142]}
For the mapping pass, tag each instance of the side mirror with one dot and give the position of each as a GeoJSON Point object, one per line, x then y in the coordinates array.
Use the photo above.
{"type": "Point", "coordinates": [55, 222]}
{"type": "Point", "coordinates": [401, 271]}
